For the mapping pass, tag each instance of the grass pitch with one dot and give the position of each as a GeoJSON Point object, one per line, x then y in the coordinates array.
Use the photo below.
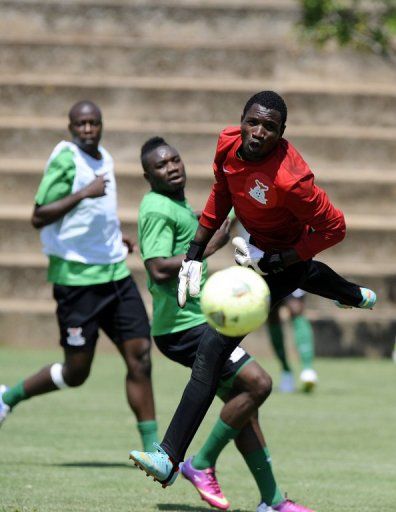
{"type": "Point", "coordinates": [333, 451]}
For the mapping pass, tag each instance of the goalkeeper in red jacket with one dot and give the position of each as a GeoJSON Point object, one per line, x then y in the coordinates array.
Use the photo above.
{"type": "Point", "coordinates": [289, 219]}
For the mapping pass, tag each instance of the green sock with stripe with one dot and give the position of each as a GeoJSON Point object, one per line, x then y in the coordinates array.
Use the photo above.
{"type": "Point", "coordinates": [259, 463]}
{"type": "Point", "coordinates": [220, 435]}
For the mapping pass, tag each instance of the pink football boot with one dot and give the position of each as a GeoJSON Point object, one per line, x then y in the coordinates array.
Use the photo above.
{"type": "Point", "coordinates": [291, 506]}
{"type": "Point", "coordinates": [205, 482]}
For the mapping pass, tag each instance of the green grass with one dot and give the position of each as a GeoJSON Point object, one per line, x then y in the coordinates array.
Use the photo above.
{"type": "Point", "coordinates": [68, 451]}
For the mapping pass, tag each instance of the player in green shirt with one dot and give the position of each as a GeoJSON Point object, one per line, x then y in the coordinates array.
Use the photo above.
{"type": "Point", "coordinates": [166, 225]}
{"type": "Point", "coordinates": [76, 210]}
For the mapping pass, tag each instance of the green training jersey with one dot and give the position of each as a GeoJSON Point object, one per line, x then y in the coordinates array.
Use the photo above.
{"type": "Point", "coordinates": [70, 242]}
{"type": "Point", "coordinates": [165, 229]}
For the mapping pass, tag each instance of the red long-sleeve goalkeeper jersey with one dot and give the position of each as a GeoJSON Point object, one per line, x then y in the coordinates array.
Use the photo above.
{"type": "Point", "coordinates": [276, 199]}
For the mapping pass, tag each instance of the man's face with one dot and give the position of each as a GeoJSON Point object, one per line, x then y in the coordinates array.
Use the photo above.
{"type": "Point", "coordinates": [165, 170]}
{"type": "Point", "coordinates": [261, 129]}
{"type": "Point", "coordinates": [86, 127]}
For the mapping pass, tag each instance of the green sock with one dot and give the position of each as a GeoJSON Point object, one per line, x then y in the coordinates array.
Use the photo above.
{"type": "Point", "coordinates": [14, 395]}
{"type": "Point", "coordinates": [221, 434]}
{"type": "Point", "coordinates": [148, 433]}
{"type": "Point", "coordinates": [259, 463]}
{"type": "Point", "coordinates": [278, 342]}
{"type": "Point", "coordinates": [303, 337]}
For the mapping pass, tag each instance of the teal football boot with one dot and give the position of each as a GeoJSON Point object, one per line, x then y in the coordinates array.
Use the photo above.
{"type": "Point", "coordinates": [156, 464]}
{"type": "Point", "coordinates": [369, 298]}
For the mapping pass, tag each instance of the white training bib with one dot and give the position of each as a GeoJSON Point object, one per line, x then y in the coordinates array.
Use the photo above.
{"type": "Point", "coordinates": [90, 233]}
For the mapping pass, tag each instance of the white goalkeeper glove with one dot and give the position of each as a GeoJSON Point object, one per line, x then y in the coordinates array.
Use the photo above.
{"type": "Point", "coordinates": [189, 279]}
{"type": "Point", "coordinates": [248, 255]}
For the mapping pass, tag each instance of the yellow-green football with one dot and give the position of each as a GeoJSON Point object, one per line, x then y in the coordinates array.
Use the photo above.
{"type": "Point", "coordinates": [235, 301]}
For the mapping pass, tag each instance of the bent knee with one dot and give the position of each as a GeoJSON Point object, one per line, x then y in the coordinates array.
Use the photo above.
{"type": "Point", "coordinates": [138, 358]}
{"type": "Point", "coordinates": [254, 380]}
{"type": "Point", "coordinates": [262, 387]}
{"type": "Point", "coordinates": [75, 377]}
{"type": "Point", "coordinates": [141, 364]}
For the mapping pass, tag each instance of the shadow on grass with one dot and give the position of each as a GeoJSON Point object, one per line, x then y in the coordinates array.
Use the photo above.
{"type": "Point", "coordinates": [82, 464]}
{"type": "Point", "coordinates": [175, 507]}
{"type": "Point", "coordinates": [97, 464]}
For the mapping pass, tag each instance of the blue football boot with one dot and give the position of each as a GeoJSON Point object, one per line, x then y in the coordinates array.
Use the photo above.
{"type": "Point", "coordinates": [369, 298]}
{"type": "Point", "coordinates": [156, 464]}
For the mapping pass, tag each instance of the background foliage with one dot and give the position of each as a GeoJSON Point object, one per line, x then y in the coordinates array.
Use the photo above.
{"type": "Point", "coordinates": [358, 23]}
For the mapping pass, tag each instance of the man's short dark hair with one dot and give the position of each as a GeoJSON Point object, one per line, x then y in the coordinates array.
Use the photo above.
{"type": "Point", "coordinates": [150, 145]}
{"type": "Point", "coordinates": [270, 100]}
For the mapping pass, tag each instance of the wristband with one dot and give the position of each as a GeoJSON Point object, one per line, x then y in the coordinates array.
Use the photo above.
{"type": "Point", "coordinates": [196, 251]}
{"type": "Point", "coordinates": [271, 263]}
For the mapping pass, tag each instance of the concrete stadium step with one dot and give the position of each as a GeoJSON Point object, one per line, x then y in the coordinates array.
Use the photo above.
{"type": "Point", "coordinates": [343, 333]}
{"type": "Point", "coordinates": [28, 323]}
{"type": "Point", "coordinates": [370, 240]}
{"type": "Point", "coordinates": [20, 179]}
{"type": "Point", "coordinates": [252, 57]}
{"type": "Point", "coordinates": [16, 270]}
{"type": "Point", "coordinates": [19, 188]}
{"type": "Point", "coordinates": [367, 193]}
{"type": "Point", "coordinates": [354, 333]}
{"type": "Point", "coordinates": [365, 148]}
{"type": "Point", "coordinates": [23, 276]}
{"type": "Point", "coordinates": [150, 18]}
{"type": "Point", "coordinates": [197, 100]}
{"type": "Point", "coordinates": [83, 56]}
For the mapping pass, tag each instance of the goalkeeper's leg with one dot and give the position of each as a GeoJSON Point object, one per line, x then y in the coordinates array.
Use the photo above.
{"type": "Point", "coordinates": [213, 351]}
{"type": "Point", "coordinates": [320, 279]}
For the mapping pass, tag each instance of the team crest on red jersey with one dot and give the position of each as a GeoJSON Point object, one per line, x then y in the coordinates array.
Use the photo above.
{"type": "Point", "coordinates": [260, 191]}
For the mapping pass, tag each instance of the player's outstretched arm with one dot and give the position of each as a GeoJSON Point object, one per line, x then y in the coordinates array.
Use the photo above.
{"type": "Point", "coordinates": [191, 268]}
{"type": "Point", "coordinates": [219, 239]}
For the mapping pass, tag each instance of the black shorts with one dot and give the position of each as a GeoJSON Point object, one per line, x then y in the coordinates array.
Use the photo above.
{"type": "Point", "coordinates": [182, 347]}
{"type": "Point", "coordinates": [116, 308]}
